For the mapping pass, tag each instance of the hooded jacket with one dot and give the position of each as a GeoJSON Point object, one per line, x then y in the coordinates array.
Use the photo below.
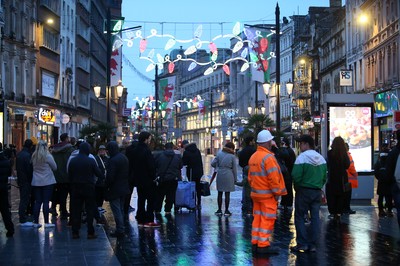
{"type": "Point", "coordinates": [61, 153]}
{"type": "Point", "coordinates": [82, 168]}
{"type": "Point", "coordinates": [117, 173]}
{"type": "Point", "coordinates": [24, 166]}
{"type": "Point", "coordinates": [192, 159]}
{"type": "Point", "coordinates": [309, 170]}
{"type": "Point", "coordinates": [169, 165]}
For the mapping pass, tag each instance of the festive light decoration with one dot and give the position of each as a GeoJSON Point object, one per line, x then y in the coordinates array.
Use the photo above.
{"type": "Point", "coordinates": [197, 43]}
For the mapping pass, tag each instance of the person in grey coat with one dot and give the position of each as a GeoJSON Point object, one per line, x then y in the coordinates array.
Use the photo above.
{"type": "Point", "coordinates": [225, 162]}
{"type": "Point", "coordinates": [168, 167]}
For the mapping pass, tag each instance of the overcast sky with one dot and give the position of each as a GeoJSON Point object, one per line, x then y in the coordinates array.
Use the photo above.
{"type": "Point", "coordinates": [181, 18]}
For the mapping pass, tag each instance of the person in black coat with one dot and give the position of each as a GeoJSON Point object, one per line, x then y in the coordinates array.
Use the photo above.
{"type": "Point", "coordinates": [5, 172]}
{"type": "Point", "coordinates": [391, 162]}
{"type": "Point", "coordinates": [194, 166]}
{"type": "Point", "coordinates": [129, 154]}
{"type": "Point", "coordinates": [244, 156]}
{"type": "Point", "coordinates": [82, 172]}
{"type": "Point", "coordinates": [289, 157]}
{"type": "Point", "coordinates": [117, 186]}
{"type": "Point", "coordinates": [24, 173]}
{"type": "Point", "coordinates": [144, 175]}
{"type": "Point", "coordinates": [338, 162]}
{"type": "Point", "coordinates": [383, 190]}
{"type": "Point", "coordinates": [168, 165]}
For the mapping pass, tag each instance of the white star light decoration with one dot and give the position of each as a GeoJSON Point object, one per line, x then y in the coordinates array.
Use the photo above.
{"type": "Point", "coordinates": [159, 60]}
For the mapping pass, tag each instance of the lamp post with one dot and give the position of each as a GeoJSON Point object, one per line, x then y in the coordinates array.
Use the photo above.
{"type": "Point", "coordinates": [278, 67]}
{"type": "Point", "coordinates": [120, 91]}
{"type": "Point", "coordinates": [109, 31]}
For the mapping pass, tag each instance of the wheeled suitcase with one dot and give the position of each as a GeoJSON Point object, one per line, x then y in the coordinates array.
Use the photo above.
{"type": "Point", "coordinates": [185, 196]}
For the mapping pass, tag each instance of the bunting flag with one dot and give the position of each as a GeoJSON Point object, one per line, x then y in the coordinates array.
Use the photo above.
{"type": "Point", "coordinates": [115, 67]}
{"type": "Point", "coordinates": [166, 91]}
{"type": "Point", "coordinates": [202, 109]}
{"type": "Point", "coordinates": [259, 53]}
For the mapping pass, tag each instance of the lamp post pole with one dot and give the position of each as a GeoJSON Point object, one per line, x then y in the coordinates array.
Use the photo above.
{"type": "Point", "coordinates": [278, 68]}
{"type": "Point", "coordinates": [156, 92]}
{"type": "Point", "coordinates": [211, 121]}
{"type": "Point", "coordinates": [256, 99]}
{"type": "Point", "coordinates": [108, 79]}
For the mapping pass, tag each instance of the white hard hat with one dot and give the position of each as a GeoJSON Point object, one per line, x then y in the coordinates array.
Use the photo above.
{"type": "Point", "coordinates": [264, 136]}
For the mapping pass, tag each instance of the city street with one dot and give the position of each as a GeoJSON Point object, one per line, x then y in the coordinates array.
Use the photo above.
{"type": "Point", "coordinates": [202, 238]}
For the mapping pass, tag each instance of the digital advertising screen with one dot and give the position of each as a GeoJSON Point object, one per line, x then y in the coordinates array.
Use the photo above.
{"type": "Point", "coordinates": [354, 123]}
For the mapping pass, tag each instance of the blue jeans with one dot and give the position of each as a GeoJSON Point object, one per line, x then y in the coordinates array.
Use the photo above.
{"type": "Point", "coordinates": [396, 198]}
{"type": "Point", "coordinates": [43, 195]}
{"type": "Point", "coordinates": [307, 199]}
{"type": "Point", "coordinates": [117, 208]}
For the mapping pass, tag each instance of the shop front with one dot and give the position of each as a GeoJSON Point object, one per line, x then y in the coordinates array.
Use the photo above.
{"type": "Point", "coordinates": [385, 103]}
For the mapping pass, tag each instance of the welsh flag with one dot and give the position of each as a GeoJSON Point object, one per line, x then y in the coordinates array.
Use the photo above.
{"type": "Point", "coordinates": [259, 51]}
{"type": "Point", "coordinates": [166, 90]}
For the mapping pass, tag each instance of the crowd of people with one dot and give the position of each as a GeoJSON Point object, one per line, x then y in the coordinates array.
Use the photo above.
{"type": "Point", "coordinates": [273, 177]}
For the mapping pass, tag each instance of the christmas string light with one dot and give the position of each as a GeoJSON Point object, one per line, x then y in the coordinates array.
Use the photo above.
{"type": "Point", "coordinates": [255, 58]}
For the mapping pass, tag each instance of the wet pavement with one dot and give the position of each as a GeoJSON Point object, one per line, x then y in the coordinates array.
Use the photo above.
{"type": "Point", "coordinates": [202, 238]}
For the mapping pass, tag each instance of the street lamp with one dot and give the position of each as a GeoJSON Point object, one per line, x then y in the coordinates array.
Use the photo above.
{"type": "Point", "coordinates": [97, 93]}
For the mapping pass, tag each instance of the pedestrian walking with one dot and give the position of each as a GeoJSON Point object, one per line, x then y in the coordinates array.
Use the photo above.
{"type": "Point", "coordinates": [83, 173]}
{"type": "Point", "coordinates": [61, 153]}
{"type": "Point", "coordinates": [244, 157]}
{"type": "Point", "coordinates": [144, 175]}
{"type": "Point", "coordinates": [168, 168]}
{"type": "Point", "coordinates": [194, 167]}
{"type": "Point", "coordinates": [352, 176]}
{"type": "Point", "coordinates": [5, 172]}
{"type": "Point", "coordinates": [338, 163]}
{"type": "Point", "coordinates": [384, 186]}
{"type": "Point", "coordinates": [309, 176]}
{"type": "Point", "coordinates": [24, 174]}
{"type": "Point", "coordinates": [267, 184]}
{"type": "Point", "coordinates": [117, 186]}
{"type": "Point", "coordinates": [226, 165]}
{"type": "Point", "coordinates": [43, 182]}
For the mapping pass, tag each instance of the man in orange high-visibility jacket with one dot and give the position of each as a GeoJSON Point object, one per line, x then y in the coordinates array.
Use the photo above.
{"type": "Point", "coordinates": [353, 179]}
{"type": "Point", "coordinates": [267, 184]}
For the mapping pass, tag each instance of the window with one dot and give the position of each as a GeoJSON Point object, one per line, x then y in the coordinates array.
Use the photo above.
{"type": "Point", "coordinates": [50, 40]}
{"type": "Point", "coordinates": [83, 98]}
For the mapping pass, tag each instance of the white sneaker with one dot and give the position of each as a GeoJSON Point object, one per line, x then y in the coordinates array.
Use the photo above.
{"type": "Point", "coordinates": [49, 225]}
{"type": "Point", "coordinates": [26, 224]}
{"type": "Point", "coordinates": [37, 225]}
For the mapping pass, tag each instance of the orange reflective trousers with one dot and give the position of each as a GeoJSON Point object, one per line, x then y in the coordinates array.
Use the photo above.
{"type": "Point", "coordinates": [264, 214]}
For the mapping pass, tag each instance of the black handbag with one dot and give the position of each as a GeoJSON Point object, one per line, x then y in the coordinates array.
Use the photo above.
{"type": "Point", "coordinates": [205, 188]}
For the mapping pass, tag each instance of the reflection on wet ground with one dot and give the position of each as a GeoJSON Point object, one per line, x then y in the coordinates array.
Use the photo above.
{"type": "Point", "coordinates": [202, 238]}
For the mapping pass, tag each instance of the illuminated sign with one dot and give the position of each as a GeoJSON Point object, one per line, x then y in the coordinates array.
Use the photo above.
{"type": "Point", "coordinates": [354, 125]}
{"type": "Point", "coordinates": [46, 116]}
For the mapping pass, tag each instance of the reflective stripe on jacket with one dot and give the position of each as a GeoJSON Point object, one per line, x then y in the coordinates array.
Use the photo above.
{"type": "Point", "coordinates": [265, 176]}
{"type": "Point", "coordinates": [352, 173]}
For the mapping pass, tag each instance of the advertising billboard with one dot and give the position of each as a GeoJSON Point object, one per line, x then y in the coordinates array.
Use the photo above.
{"type": "Point", "coordinates": [354, 123]}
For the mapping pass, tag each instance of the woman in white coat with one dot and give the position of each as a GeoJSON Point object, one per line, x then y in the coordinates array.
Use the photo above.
{"type": "Point", "coordinates": [43, 181]}
{"type": "Point", "coordinates": [225, 163]}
